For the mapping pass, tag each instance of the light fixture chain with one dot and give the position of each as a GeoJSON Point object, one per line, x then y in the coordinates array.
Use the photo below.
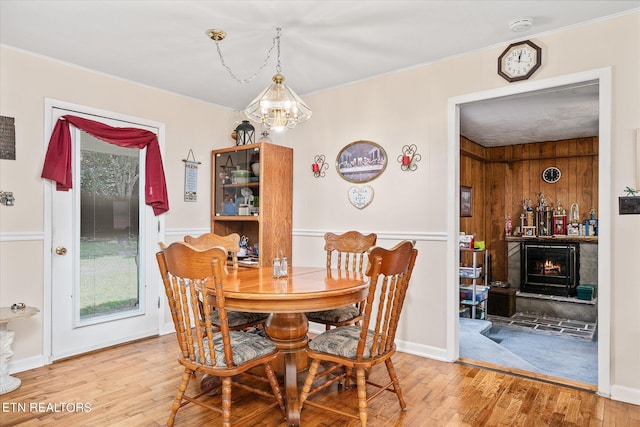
{"type": "Point", "coordinates": [264, 64]}
{"type": "Point", "coordinates": [278, 67]}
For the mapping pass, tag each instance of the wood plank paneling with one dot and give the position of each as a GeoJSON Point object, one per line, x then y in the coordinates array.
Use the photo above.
{"type": "Point", "coordinates": [508, 175]}
{"type": "Point", "coordinates": [472, 174]}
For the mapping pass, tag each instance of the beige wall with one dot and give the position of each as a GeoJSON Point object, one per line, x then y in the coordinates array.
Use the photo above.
{"type": "Point", "coordinates": [408, 107]}
{"type": "Point", "coordinates": [25, 82]}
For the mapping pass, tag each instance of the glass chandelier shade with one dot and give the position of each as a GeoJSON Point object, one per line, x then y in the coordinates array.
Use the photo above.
{"type": "Point", "coordinates": [278, 107]}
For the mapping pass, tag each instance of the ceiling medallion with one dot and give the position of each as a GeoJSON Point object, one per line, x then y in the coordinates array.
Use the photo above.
{"type": "Point", "coordinates": [216, 35]}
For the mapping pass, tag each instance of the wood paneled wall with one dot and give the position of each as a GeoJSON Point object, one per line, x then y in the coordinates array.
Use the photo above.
{"type": "Point", "coordinates": [502, 177]}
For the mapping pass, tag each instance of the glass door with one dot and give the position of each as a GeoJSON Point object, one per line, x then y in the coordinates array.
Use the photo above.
{"type": "Point", "coordinates": [103, 273]}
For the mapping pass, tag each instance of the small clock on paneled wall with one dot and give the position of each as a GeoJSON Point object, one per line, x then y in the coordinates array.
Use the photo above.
{"type": "Point", "coordinates": [551, 175]}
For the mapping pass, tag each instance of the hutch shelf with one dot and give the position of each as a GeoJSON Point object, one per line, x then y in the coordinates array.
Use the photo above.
{"type": "Point", "coordinates": [251, 192]}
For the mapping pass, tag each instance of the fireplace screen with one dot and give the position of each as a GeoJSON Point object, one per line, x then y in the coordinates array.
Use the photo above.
{"type": "Point", "coordinates": [550, 268]}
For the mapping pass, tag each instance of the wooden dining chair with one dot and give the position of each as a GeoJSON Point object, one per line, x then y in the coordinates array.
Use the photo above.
{"type": "Point", "coordinates": [231, 242]}
{"type": "Point", "coordinates": [347, 251]}
{"type": "Point", "coordinates": [238, 320]}
{"type": "Point", "coordinates": [346, 348]}
{"type": "Point", "coordinates": [189, 276]}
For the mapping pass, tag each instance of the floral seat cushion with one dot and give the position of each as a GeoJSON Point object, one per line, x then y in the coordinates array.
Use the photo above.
{"type": "Point", "coordinates": [245, 346]}
{"type": "Point", "coordinates": [237, 318]}
{"type": "Point", "coordinates": [337, 315]}
{"type": "Point", "coordinates": [341, 341]}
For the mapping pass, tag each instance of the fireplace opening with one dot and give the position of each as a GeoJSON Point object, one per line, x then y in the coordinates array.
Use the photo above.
{"type": "Point", "coordinates": [550, 268]}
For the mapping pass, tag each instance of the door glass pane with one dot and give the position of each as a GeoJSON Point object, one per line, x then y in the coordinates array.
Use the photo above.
{"type": "Point", "coordinates": [109, 231]}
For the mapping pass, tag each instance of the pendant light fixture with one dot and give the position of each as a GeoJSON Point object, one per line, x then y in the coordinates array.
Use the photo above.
{"type": "Point", "coordinates": [277, 107]}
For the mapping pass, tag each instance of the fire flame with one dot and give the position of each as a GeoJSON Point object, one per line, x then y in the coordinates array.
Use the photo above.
{"type": "Point", "coordinates": [551, 268]}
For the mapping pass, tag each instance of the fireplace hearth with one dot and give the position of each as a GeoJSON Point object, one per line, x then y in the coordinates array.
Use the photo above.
{"type": "Point", "coordinates": [550, 268]}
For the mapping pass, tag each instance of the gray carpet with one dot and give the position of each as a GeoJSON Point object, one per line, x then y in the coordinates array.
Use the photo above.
{"type": "Point", "coordinates": [564, 357]}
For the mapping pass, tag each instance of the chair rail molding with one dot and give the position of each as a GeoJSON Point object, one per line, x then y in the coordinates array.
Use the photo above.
{"type": "Point", "coordinates": [389, 235]}
{"type": "Point", "coordinates": [186, 231]}
{"type": "Point", "coordinates": [21, 236]}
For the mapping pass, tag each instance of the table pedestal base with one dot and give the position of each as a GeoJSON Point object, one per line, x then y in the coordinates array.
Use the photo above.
{"type": "Point", "coordinates": [288, 331]}
{"type": "Point", "coordinates": [7, 382]}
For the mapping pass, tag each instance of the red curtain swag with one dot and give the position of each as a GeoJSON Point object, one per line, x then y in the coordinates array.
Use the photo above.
{"type": "Point", "coordinates": [57, 162]}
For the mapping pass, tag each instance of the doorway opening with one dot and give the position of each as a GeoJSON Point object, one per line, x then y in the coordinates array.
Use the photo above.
{"type": "Point", "coordinates": [498, 223]}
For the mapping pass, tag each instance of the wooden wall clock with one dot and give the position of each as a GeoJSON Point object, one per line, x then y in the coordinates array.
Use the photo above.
{"type": "Point", "coordinates": [519, 61]}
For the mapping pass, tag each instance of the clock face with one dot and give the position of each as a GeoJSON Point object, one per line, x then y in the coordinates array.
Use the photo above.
{"type": "Point", "coordinates": [551, 174]}
{"type": "Point", "coordinates": [519, 61]}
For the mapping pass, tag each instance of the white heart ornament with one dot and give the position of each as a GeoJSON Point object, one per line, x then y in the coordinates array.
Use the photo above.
{"type": "Point", "coordinates": [360, 197]}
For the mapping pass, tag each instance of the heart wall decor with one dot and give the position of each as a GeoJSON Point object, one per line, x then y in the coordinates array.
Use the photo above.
{"type": "Point", "coordinates": [360, 197]}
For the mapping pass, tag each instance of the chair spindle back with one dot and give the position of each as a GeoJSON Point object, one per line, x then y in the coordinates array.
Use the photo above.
{"type": "Point", "coordinates": [187, 274]}
{"type": "Point", "coordinates": [389, 271]}
{"type": "Point", "coordinates": [350, 248]}
{"type": "Point", "coordinates": [231, 242]}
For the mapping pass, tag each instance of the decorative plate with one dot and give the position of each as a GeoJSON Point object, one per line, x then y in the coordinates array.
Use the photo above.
{"type": "Point", "coordinates": [360, 197]}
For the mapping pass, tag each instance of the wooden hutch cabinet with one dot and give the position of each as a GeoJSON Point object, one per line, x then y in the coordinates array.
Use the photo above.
{"type": "Point", "coordinates": [251, 192]}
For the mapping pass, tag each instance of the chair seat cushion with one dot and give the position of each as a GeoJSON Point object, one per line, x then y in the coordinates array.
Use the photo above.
{"type": "Point", "coordinates": [245, 346]}
{"type": "Point", "coordinates": [237, 318]}
{"type": "Point", "coordinates": [336, 315]}
{"type": "Point", "coordinates": [341, 341]}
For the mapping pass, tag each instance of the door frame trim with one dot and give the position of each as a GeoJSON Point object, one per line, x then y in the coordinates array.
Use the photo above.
{"type": "Point", "coordinates": [49, 187]}
{"type": "Point", "coordinates": [605, 202]}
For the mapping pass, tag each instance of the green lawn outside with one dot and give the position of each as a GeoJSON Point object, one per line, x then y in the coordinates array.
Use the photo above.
{"type": "Point", "coordinates": [108, 275]}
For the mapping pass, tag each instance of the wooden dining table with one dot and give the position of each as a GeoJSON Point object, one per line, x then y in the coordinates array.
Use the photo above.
{"type": "Point", "coordinates": [287, 299]}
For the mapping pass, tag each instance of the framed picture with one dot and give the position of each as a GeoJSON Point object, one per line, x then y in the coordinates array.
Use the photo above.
{"type": "Point", "coordinates": [361, 161]}
{"type": "Point", "coordinates": [466, 203]}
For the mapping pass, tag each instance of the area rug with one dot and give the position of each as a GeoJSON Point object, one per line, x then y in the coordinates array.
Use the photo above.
{"type": "Point", "coordinates": [563, 357]}
{"type": "Point", "coordinates": [558, 356]}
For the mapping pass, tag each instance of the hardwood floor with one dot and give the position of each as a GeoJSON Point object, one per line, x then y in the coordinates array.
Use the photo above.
{"type": "Point", "coordinates": [134, 385]}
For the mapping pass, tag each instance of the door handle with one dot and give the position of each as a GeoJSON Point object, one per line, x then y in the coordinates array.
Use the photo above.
{"type": "Point", "coordinates": [61, 250]}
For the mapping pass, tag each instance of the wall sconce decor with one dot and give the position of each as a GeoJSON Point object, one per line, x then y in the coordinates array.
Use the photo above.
{"type": "Point", "coordinates": [6, 198]}
{"type": "Point", "coordinates": [409, 158]}
{"type": "Point", "coordinates": [319, 166]}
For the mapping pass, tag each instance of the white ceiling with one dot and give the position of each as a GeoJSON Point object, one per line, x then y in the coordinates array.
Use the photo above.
{"type": "Point", "coordinates": [324, 44]}
{"type": "Point", "coordinates": [554, 114]}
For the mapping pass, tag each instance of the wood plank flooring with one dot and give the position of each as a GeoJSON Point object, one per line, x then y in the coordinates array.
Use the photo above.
{"type": "Point", "coordinates": [134, 385]}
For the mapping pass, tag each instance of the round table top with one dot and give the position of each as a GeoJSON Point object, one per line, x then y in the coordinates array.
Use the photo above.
{"type": "Point", "coordinates": [8, 315]}
{"type": "Point", "coordinates": [305, 289]}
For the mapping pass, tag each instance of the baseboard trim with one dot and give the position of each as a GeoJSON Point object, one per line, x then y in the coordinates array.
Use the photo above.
{"type": "Point", "coordinates": [403, 346]}
{"type": "Point", "coordinates": [422, 350]}
{"type": "Point", "coordinates": [625, 394]}
{"type": "Point", "coordinates": [26, 364]}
